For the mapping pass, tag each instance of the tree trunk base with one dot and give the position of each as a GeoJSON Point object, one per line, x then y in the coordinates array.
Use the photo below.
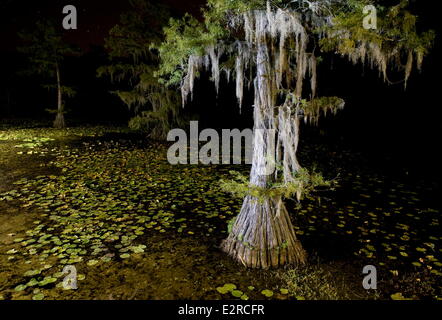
{"type": "Point", "coordinates": [59, 121]}
{"type": "Point", "coordinates": [263, 236]}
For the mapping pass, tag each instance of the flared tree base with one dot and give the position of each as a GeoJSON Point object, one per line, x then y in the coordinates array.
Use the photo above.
{"type": "Point", "coordinates": [263, 236]}
{"type": "Point", "coordinates": [59, 121]}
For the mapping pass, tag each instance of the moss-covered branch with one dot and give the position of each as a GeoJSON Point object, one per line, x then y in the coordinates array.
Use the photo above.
{"type": "Point", "coordinates": [303, 185]}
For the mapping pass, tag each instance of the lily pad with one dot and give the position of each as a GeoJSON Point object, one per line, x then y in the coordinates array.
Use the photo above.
{"type": "Point", "coordinates": [284, 291]}
{"type": "Point", "coordinates": [20, 287]}
{"type": "Point", "coordinates": [267, 293]}
{"type": "Point", "coordinates": [237, 293]}
{"type": "Point", "coordinates": [38, 296]}
{"type": "Point", "coordinates": [92, 262]}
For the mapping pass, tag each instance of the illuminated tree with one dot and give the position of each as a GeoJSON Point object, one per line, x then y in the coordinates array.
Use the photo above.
{"type": "Point", "coordinates": [274, 47]}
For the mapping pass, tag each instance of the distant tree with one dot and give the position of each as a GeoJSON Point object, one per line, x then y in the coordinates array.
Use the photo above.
{"type": "Point", "coordinates": [133, 63]}
{"type": "Point", "coordinates": [275, 47]}
{"type": "Point", "coordinates": [46, 52]}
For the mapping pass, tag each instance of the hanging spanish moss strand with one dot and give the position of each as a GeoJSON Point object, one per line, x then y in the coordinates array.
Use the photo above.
{"type": "Point", "coordinates": [263, 235]}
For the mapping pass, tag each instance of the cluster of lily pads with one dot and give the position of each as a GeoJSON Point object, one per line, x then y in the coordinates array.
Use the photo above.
{"type": "Point", "coordinates": [42, 135]}
{"type": "Point", "coordinates": [106, 196]}
{"type": "Point", "coordinates": [381, 219]}
{"type": "Point", "coordinates": [232, 289]}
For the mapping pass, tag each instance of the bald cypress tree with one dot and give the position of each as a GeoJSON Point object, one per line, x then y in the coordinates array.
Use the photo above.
{"type": "Point", "coordinates": [274, 47]}
{"type": "Point", "coordinates": [46, 51]}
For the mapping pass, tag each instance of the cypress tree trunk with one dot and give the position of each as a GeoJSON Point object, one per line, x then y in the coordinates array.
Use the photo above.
{"type": "Point", "coordinates": [59, 119]}
{"type": "Point", "coordinates": [263, 235]}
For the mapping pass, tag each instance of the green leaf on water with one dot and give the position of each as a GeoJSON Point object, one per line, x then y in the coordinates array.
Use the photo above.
{"type": "Point", "coordinates": [92, 262]}
{"type": "Point", "coordinates": [284, 291]}
{"type": "Point", "coordinates": [33, 282]}
{"type": "Point", "coordinates": [230, 286]}
{"type": "Point", "coordinates": [32, 273]}
{"type": "Point", "coordinates": [46, 281]}
{"type": "Point", "coordinates": [38, 296]}
{"type": "Point", "coordinates": [404, 254]}
{"type": "Point", "coordinates": [20, 287]}
{"type": "Point", "coordinates": [222, 290]}
{"type": "Point", "coordinates": [417, 264]}
{"type": "Point", "coordinates": [267, 293]}
{"type": "Point", "coordinates": [237, 293]}
{"type": "Point", "coordinates": [398, 296]}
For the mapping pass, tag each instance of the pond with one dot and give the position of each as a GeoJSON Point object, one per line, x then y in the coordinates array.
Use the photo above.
{"type": "Point", "coordinates": [107, 202]}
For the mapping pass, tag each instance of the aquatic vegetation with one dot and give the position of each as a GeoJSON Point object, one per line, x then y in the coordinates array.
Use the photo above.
{"type": "Point", "coordinates": [103, 198]}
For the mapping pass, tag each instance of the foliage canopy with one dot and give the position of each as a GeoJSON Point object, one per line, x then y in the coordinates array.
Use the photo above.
{"type": "Point", "coordinates": [132, 65]}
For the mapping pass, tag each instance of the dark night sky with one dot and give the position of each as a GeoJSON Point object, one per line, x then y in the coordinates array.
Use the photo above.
{"type": "Point", "coordinates": [95, 17]}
